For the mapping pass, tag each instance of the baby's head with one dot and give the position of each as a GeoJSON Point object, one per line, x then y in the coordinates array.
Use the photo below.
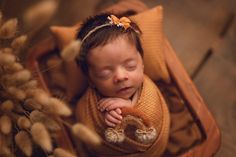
{"type": "Point", "coordinates": [111, 55]}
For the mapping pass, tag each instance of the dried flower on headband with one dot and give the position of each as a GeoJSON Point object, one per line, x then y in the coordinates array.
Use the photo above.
{"type": "Point", "coordinates": [120, 22]}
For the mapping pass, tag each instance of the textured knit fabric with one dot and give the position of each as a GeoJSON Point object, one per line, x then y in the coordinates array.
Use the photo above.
{"type": "Point", "coordinates": [150, 103]}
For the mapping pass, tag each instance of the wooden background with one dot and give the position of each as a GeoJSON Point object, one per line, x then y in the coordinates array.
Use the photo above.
{"type": "Point", "coordinates": [202, 32]}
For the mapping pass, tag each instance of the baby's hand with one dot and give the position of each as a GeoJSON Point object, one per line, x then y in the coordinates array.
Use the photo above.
{"type": "Point", "coordinates": [113, 117]}
{"type": "Point", "coordinates": [109, 104]}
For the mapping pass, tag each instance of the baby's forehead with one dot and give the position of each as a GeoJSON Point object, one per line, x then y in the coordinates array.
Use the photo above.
{"type": "Point", "coordinates": [100, 59]}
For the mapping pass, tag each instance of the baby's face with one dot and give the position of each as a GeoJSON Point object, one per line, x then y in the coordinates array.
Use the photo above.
{"type": "Point", "coordinates": [116, 69]}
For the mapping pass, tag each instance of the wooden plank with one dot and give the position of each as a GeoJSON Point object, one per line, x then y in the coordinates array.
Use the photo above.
{"type": "Point", "coordinates": [216, 83]}
{"type": "Point", "coordinates": [226, 47]}
{"type": "Point", "coordinates": [212, 142]}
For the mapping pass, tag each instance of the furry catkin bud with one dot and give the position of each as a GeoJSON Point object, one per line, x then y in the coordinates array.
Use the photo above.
{"type": "Point", "coordinates": [30, 84]}
{"type": "Point", "coordinates": [86, 135]}
{"type": "Point", "coordinates": [31, 104]}
{"type": "Point", "coordinates": [5, 151]}
{"type": "Point", "coordinates": [7, 106]}
{"type": "Point", "coordinates": [19, 42]}
{"type": "Point", "coordinates": [40, 13]}
{"type": "Point", "coordinates": [21, 76]}
{"type": "Point", "coordinates": [41, 136]}
{"type": "Point", "coordinates": [17, 93]}
{"type": "Point", "coordinates": [59, 152]}
{"type": "Point", "coordinates": [51, 125]}
{"type": "Point", "coordinates": [15, 67]}
{"type": "Point", "coordinates": [114, 135]}
{"type": "Point", "coordinates": [5, 124]}
{"type": "Point", "coordinates": [8, 29]}
{"type": "Point", "coordinates": [23, 141]}
{"type": "Point", "coordinates": [7, 50]}
{"type": "Point", "coordinates": [58, 107]}
{"type": "Point", "coordinates": [70, 52]}
{"type": "Point", "coordinates": [23, 122]}
{"type": "Point", "coordinates": [6, 58]}
{"type": "Point", "coordinates": [41, 97]}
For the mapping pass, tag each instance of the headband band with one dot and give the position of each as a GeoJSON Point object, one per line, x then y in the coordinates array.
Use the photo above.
{"type": "Point", "coordinates": [113, 20]}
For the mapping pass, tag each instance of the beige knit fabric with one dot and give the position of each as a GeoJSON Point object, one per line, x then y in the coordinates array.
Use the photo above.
{"type": "Point", "coordinates": [150, 102]}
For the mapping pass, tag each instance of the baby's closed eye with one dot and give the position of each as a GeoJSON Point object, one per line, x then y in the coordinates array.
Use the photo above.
{"type": "Point", "coordinates": [131, 65]}
{"type": "Point", "coordinates": [105, 73]}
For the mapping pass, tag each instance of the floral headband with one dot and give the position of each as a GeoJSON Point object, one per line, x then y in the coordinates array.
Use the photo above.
{"type": "Point", "coordinates": [113, 20]}
{"type": "Point", "coordinates": [72, 50]}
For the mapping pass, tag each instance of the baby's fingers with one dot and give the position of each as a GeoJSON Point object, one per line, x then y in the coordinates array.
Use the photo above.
{"type": "Point", "coordinates": [118, 111]}
{"type": "Point", "coordinates": [115, 115]}
{"type": "Point", "coordinates": [103, 104]}
{"type": "Point", "coordinates": [109, 123]}
{"type": "Point", "coordinates": [112, 119]}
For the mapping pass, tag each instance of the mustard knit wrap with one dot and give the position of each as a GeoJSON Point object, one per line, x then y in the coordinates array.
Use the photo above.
{"type": "Point", "coordinates": [150, 102]}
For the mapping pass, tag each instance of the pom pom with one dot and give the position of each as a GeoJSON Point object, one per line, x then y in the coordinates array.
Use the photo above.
{"type": "Point", "coordinates": [41, 136]}
{"type": "Point", "coordinates": [114, 135]}
{"type": "Point", "coordinates": [24, 143]}
{"type": "Point", "coordinates": [70, 52]}
{"type": "Point", "coordinates": [146, 136]}
{"type": "Point", "coordinates": [86, 135]}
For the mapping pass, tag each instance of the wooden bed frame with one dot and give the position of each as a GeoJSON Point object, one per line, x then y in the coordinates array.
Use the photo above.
{"type": "Point", "coordinates": [211, 143]}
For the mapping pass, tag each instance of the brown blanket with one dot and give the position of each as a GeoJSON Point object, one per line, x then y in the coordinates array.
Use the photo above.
{"type": "Point", "coordinates": [150, 102]}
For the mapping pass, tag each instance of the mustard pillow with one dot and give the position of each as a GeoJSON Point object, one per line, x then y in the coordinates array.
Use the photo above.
{"type": "Point", "coordinates": [150, 22]}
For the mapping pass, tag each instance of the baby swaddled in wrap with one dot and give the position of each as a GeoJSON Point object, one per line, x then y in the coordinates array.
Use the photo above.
{"type": "Point", "coordinates": [121, 104]}
{"type": "Point", "coordinates": [149, 102]}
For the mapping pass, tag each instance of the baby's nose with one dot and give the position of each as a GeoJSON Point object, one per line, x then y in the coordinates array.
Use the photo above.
{"type": "Point", "coordinates": [120, 75]}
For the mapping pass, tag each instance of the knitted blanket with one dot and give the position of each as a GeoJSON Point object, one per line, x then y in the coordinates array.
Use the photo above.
{"type": "Point", "coordinates": [150, 102]}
